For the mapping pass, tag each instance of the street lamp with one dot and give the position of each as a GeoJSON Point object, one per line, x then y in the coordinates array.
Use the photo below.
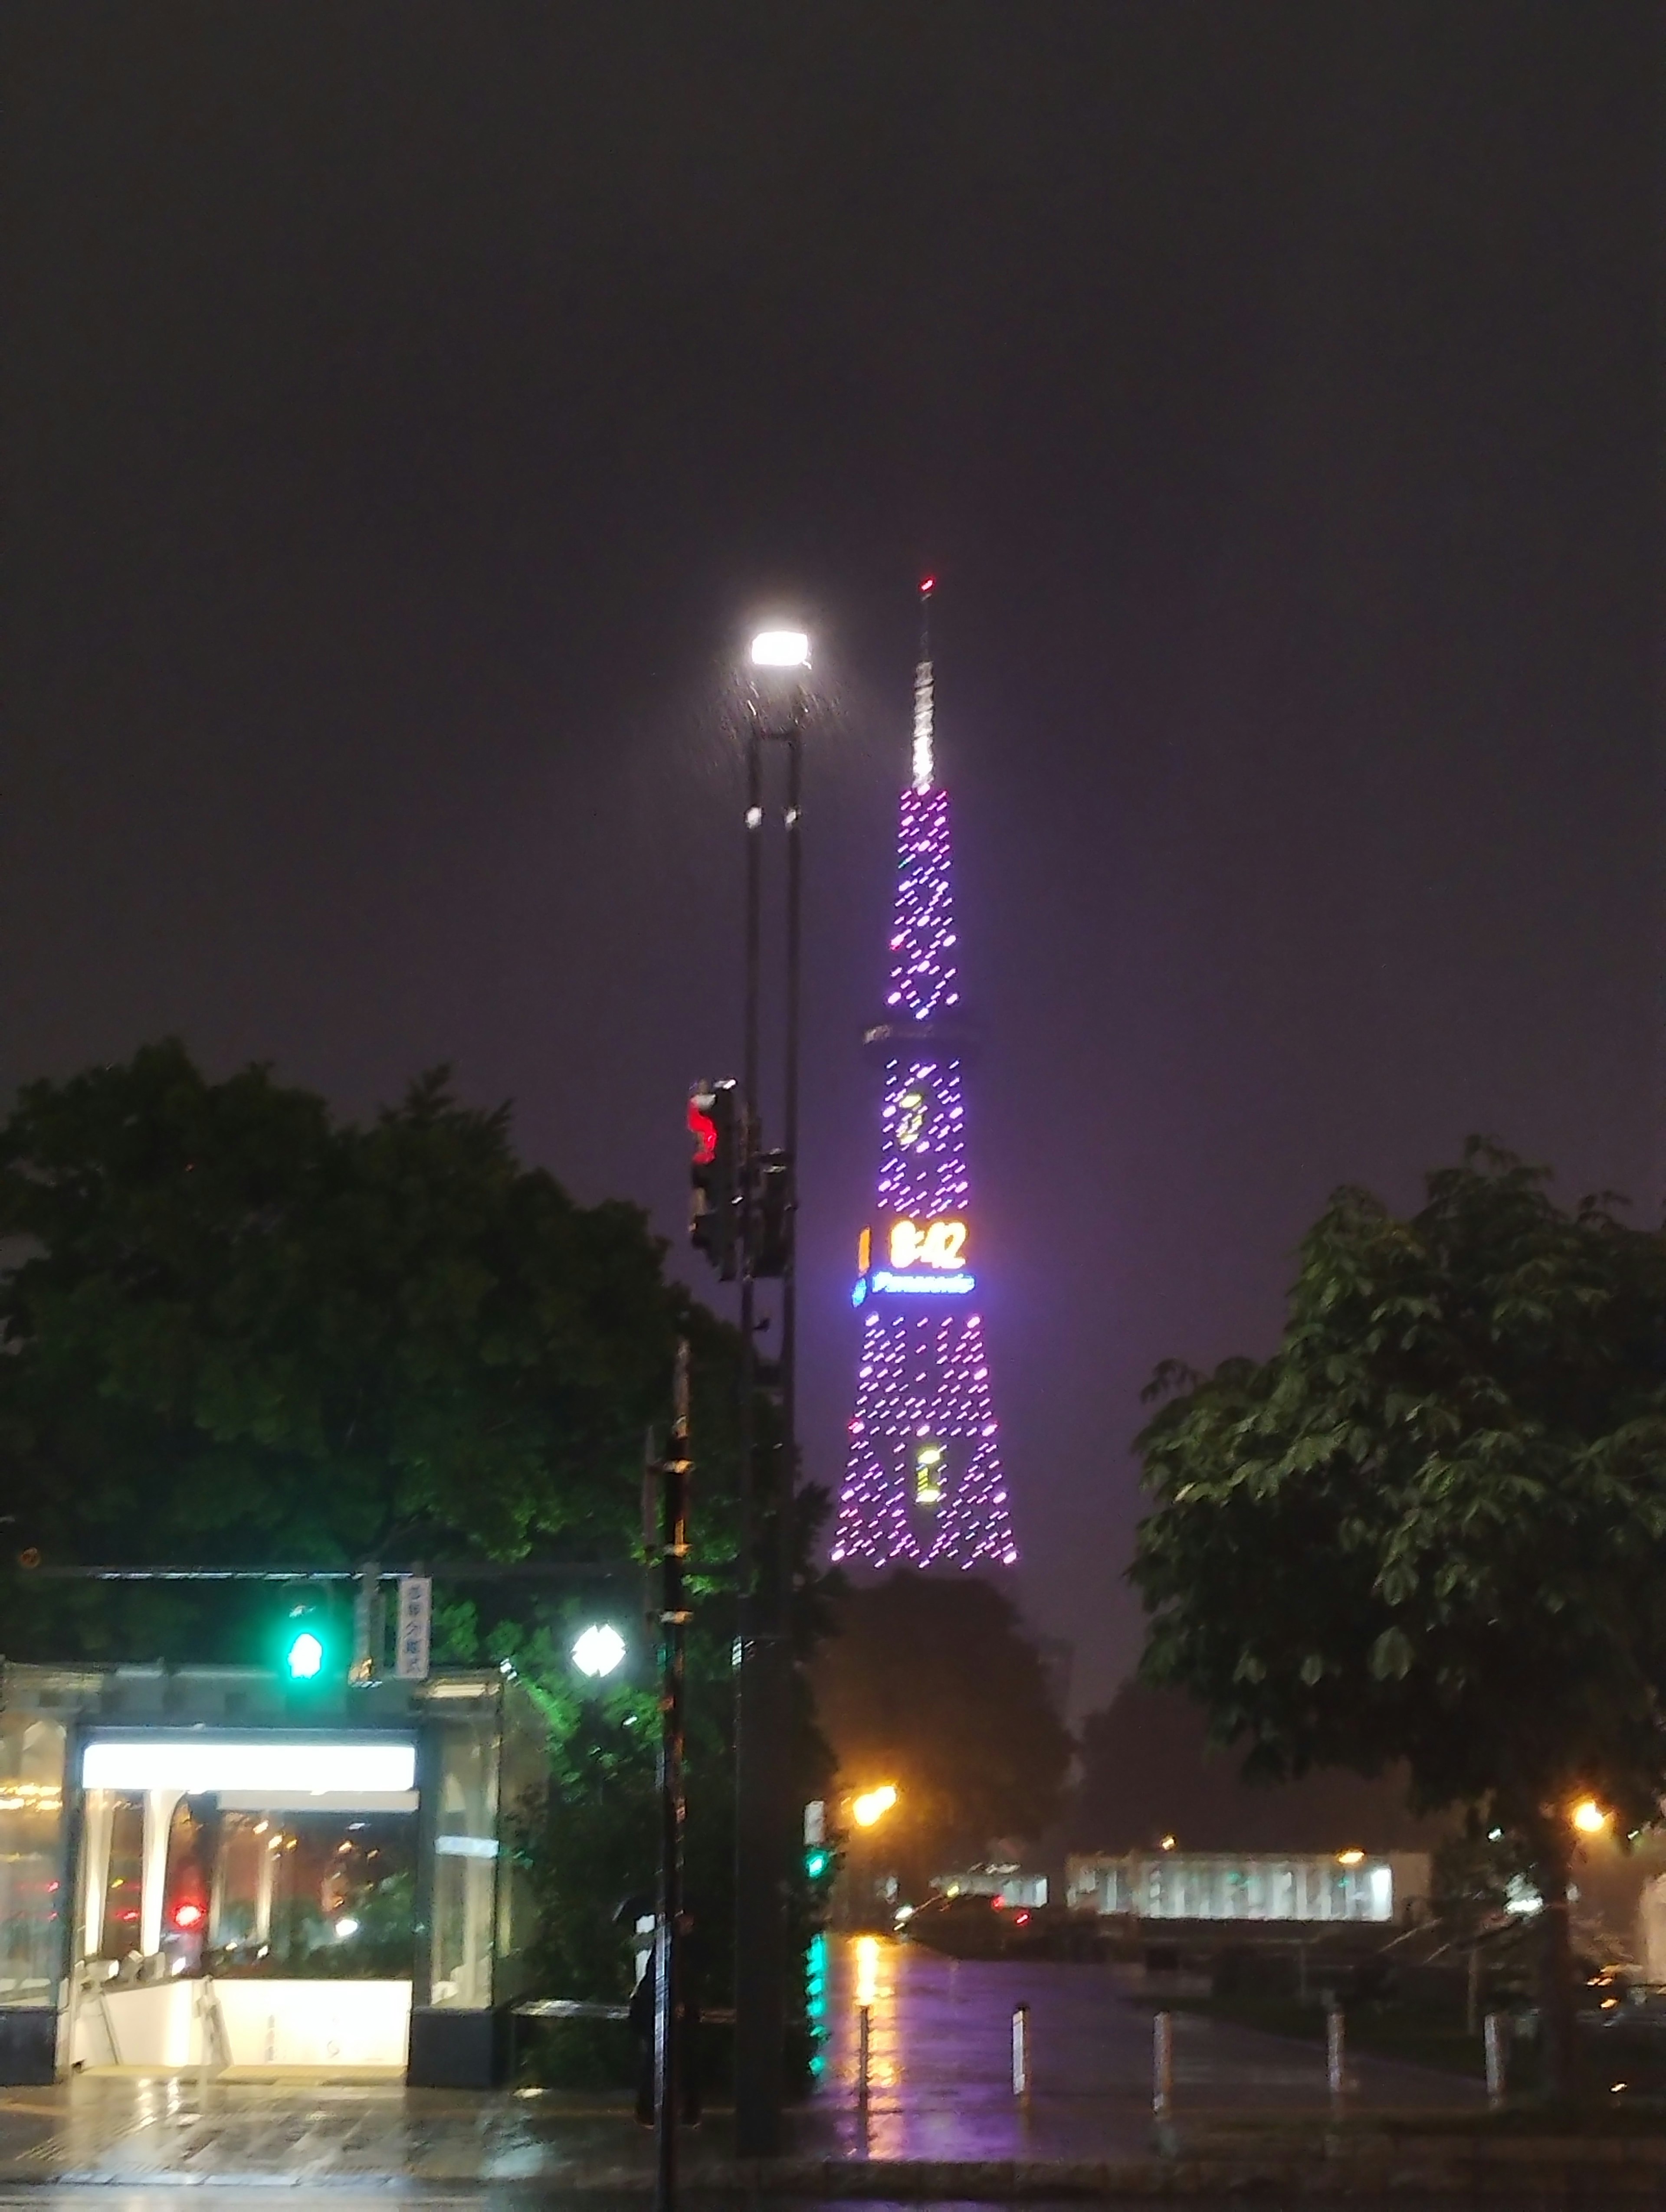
{"type": "Point", "coordinates": [777, 706]}
{"type": "Point", "coordinates": [780, 662]}
{"type": "Point", "coordinates": [873, 1805]}
{"type": "Point", "coordinates": [599, 1648]}
{"type": "Point", "coordinates": [1589, 1817]}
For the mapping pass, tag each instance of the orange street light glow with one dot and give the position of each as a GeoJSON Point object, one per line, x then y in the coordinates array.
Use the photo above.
{"type": "Point", "coordinates": [873, 1805]}
{"type": "Point", "coordinates": [1589, 1817]}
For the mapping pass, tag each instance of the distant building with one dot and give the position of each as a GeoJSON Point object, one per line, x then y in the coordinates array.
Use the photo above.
{"type": "Point", "coordinates": [1006, 1884]}
{"type": "Point", "coordinates": [1251, 1886]}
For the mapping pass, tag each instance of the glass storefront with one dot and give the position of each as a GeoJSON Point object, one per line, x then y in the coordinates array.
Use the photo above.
{"type": "Point", "coordinates": [465, 1871]}
{"type": "Point", "coordinates": [266, 1893]}
{"type": "Point", "coordinates": [32, 1752]}
{"type": "Point", "coordinates": [273, 1890]}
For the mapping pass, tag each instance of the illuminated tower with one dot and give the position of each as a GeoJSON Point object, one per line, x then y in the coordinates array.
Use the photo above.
{"type": "Point", "coordinates": [923, 1485]}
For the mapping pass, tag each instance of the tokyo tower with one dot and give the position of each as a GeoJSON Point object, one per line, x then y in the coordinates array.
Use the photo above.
{"type": "Point", "coordinates": [923, 1485]}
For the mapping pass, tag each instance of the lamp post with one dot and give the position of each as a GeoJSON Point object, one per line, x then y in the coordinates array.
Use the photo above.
{"type": "Point", "coordinates": [776, 706]}
{"type": "Point", "coordinates": [599, 1649]}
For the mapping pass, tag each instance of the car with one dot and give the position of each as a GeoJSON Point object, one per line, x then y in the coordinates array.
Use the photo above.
{"type": "Point", "coordinates": [963, 1926]}
{"type": "Point", "coordinates": [972, 1927]}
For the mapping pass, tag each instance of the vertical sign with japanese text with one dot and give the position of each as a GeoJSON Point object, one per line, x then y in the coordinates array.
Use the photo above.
{"type": "Point", "coordinates": [416, 1617]}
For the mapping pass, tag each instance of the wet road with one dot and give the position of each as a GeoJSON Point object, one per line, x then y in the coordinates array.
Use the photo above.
{"type": "Point", "coordinates": [940, 2061]}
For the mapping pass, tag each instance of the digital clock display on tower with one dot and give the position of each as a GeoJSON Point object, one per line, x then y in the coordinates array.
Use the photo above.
{"type": "Point", "coordinates": [914, 1256]}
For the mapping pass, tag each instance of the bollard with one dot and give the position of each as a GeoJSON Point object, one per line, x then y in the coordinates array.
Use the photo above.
{"type": "Point", "coordinates": [864, 2033]}
{"type": "Point", "coordinates": [1495, 2036]}
{"type": "Point", "coordinates": [1336, 2052]}
{"type": "Point", "coordinates": [1020, 2051]}
{"type": "Point", "coordinates": [1162, 2057]}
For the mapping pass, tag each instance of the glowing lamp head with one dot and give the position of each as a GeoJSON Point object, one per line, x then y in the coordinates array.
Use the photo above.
{"type": "Point", "coordinates": [187, 1917]}
{"type": "Point", "coordinates": [873, 1805]}
{"type": "Point", "coordinates": [599, 1651]}
{"type": "Point", "coordinates": [1351, 1857]}
{"type": "Point", "coordinates": [1589, 1818]}
{"type": "Point", "coordinates": [780, 649]}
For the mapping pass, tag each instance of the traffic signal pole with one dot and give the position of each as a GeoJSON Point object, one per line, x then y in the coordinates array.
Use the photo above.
{"type": "Point", "coordinates": [758, 1965]}
{"type": "Point", "coordinates": [744, 1220]}
{"type": "Point", "coordinates": [786, 1488]}
{"type": "Point", "coordinates": [673, 2048]}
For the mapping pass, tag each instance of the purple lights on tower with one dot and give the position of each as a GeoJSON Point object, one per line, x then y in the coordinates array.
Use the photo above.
{"type": "Point", "coordinates": [923, 1484]}
{"type": "Point", "coordinates": [922, 976]}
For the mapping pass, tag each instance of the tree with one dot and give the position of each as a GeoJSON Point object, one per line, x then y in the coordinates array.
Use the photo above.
{"type": "Point", "coordinates": [1429, 1528]}
{"type": "Point", "coordinates": [236, 1324]}
{"type": "Point", "coordinates": [236, 1331]}
{"type": "Point", "coordinates": [930, 1682]}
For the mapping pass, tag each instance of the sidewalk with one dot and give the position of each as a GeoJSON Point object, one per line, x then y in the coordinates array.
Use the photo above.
{"type": "Point", "coordinates": [940, 2120]}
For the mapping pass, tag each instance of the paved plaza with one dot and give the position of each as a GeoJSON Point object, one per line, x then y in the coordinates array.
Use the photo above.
{"type": "Point", "coordinates": [940, 2095]}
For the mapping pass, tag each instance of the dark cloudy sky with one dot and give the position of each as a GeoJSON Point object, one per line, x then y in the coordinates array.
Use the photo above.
{"type": "Point", "coordinates": [408, 405]}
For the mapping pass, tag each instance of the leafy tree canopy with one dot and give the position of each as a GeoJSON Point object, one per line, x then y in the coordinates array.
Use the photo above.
{"type": "Point", "coordinates": [240, 1331]}
{"type": "Point", "coordinates": [1429, 1528]}
{"type": "Point", "coordinates": [931, 1683]}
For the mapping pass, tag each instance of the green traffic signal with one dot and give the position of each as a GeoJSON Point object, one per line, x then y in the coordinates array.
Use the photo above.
{"type": "Point", "coordinates": [306, 1647]}
{"type": "Point", "coordinates": [817, 1863]}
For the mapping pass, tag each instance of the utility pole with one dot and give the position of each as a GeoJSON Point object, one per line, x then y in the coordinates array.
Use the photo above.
{"type": "Point", "coordinates": [743, 1203]}
{"type": "Point", "coordinates": [776, 708]}
{"type": "Point", "coordinates": [671, 2053]}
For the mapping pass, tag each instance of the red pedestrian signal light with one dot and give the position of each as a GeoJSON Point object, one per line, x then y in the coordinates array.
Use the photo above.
{"type": "Point", "coordinates": [703, 1130]}
{"type": "Point", "coordinates": [718, 1128]}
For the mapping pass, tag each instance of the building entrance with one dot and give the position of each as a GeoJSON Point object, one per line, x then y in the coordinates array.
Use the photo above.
{"type": "Point", "coordinates": [214, 1886]}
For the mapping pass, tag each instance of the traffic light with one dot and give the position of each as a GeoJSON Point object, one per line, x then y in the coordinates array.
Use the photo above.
{"type": "Point", "coordinates": [306, 1643]}
{"type": "Point", "coordinates": [821, 1865]}
{"type": "Point", "coordinates": [773, 1219]}
{"type": "Point", "coordinates": [717, 1126]}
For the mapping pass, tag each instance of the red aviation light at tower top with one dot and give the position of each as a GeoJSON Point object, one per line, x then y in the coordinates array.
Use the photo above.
{"type": "Point", "coordinates": [923, 1483]}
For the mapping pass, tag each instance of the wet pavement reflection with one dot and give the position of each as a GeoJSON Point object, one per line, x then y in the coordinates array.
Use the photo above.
{"type": "Point", "coordinates": [939, 2090]}
{"type": "Point", "coordinates": [941, 2058]}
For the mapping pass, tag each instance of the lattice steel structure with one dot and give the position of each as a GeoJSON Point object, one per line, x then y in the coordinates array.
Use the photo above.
{"type": "Point", "coordinates": [923, 1483]}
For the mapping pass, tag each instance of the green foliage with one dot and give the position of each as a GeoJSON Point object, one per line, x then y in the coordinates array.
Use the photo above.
{"type": "Point", "coordinates": [931, 1683]}
{"type": "Point", "coordinates": [236, 1331]}
{"type": "Point", "coordinates": [1428, 1529]}
{"type": "Point", "coordinates": [240, 1331]}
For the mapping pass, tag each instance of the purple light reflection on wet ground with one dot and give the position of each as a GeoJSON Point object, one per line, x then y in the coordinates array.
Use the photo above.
{"type": "Point", "coordinates": [940, 2061]}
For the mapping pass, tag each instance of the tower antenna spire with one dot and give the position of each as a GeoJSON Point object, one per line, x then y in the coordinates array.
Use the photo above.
{"type": "Point", "coordinates": [924, 768]}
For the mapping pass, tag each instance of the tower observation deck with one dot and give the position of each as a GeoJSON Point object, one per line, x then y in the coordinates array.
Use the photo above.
{"type": "Point", "coordinates": [923, 1484]}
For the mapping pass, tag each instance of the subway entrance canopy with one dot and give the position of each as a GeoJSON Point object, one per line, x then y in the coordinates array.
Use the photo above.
{"type": "Point", "coordinates": [203, 1866]}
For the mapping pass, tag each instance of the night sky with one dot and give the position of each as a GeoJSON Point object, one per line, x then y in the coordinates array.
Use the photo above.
{"type": "Point", "coordinates": [408, 408]}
